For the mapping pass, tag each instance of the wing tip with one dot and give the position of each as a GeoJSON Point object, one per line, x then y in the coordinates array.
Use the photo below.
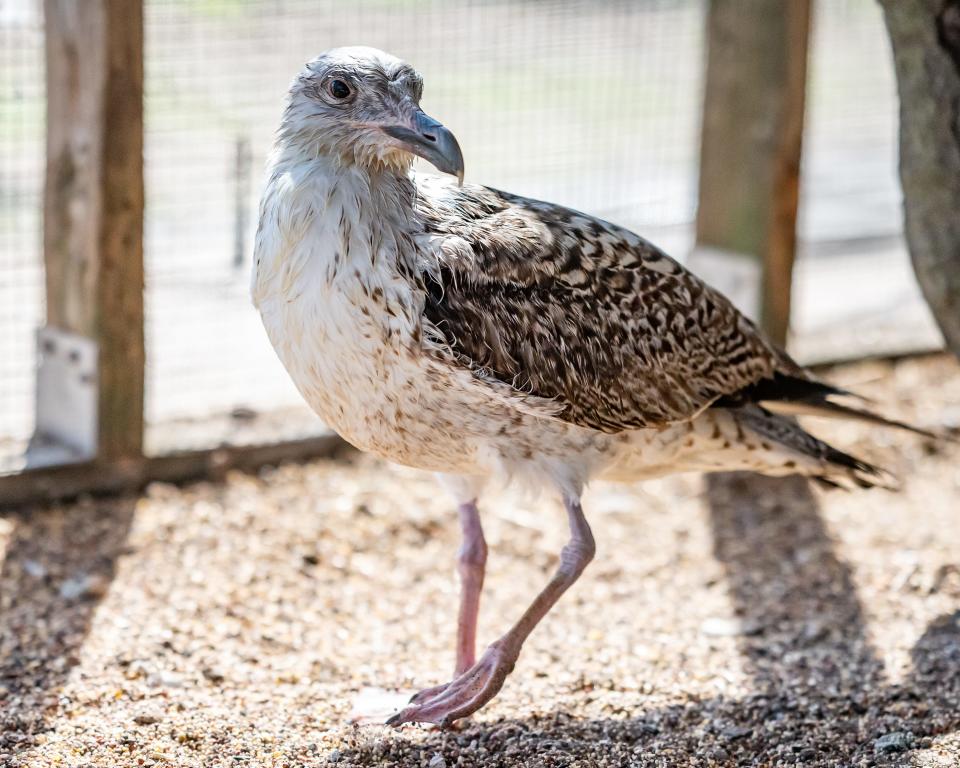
{"type": "Point", "coordinates": [827, 408]}
{"type": "Point", "coordinates": [851, 472]}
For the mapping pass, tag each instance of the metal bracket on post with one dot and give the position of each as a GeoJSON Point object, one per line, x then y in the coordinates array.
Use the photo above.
{"type": "Point", "coordinates": [67, 399]}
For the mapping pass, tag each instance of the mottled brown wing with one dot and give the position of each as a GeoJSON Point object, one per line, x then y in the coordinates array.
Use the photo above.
{"type": "Point", "coordinates": [565, 306]}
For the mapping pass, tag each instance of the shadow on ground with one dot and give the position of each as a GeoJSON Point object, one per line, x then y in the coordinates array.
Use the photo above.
{"type": "Point", "coordinates": [56, 566]}
{"type": "Point", "coordinates": [820, 695]}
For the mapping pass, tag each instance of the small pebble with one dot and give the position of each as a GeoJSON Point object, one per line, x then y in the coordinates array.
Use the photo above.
{"type": "Point", "coordinates": [717, 626]}
{"type": "Point", "coordinates": [165, 680]}
{"type": "Point", "coordinates": [898, 741]}
{"type": "Point", "coordinates": [437, 761]}
{"type": "Point", "coordinates": [88, 585]}
{"type": "Point", "coordinates": [34, 568]}
{"type": "Point", "coordinates": [213, 674]}
{"type": "Point", "coordinates": [736, 733]}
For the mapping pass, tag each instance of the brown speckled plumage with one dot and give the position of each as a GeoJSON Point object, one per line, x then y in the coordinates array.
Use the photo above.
{"type": "Point", "coordinates": [568, 307]}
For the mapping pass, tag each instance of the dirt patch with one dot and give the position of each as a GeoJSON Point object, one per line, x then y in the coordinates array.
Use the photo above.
{"type": "Point", "coordinates": [731, 620]}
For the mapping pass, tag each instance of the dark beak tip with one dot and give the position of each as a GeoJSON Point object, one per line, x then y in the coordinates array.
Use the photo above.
{"type": "Point", "coordinates": [433, 142]}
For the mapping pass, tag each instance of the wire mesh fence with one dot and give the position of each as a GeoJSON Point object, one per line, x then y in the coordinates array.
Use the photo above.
{"type": "Point", "coordinates": [850, 189]}
{"type": "Point", "coordinates": [862, 293]}
{"type": "Point", "coordinates": [21, 189]}
{"type": "Point", "coordinates": [592, 103]}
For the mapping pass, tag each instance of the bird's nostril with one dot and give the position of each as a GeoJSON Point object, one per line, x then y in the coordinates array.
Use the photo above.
{"type": "Point", "coordinates": [429, 137]}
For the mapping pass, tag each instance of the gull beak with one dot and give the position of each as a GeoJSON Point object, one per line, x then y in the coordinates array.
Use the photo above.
{"type": "Point", "coordinates": [431, 141]}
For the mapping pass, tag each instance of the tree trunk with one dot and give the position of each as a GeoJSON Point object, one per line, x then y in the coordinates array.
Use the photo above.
{"type": "Point", "coordinates": [926, 50]}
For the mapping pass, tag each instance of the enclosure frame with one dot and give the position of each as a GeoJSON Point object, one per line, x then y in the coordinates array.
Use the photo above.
{"type": "Point", "coordinates": [94, 220]}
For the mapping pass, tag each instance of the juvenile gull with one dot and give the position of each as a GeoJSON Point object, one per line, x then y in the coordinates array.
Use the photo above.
{"type": "Point", "coordinates": [477, 334]}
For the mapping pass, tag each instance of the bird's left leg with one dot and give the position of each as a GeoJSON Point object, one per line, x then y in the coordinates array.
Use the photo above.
{"type": "Point", "coordinates": [480, 683]}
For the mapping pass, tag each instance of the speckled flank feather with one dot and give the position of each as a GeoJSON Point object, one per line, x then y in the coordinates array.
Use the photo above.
{"type": "Point", "coordinates": [575, 309]}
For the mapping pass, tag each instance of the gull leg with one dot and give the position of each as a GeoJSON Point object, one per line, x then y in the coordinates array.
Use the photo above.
{"type": "Point", "coordinates": [471, 563]}
{"type": "Point", "coordinates": [474, 687]}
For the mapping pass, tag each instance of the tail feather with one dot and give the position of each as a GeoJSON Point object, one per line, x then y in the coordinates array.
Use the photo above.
{"type": "Point", "coordinates": [859, 472]}
{"type": "Point", "coordinates": [826, 464]}
{"type": "Point", "coordinates": [769, 405]}
{"type": "Point", "coordinates": [792, 395]}
{"type": "Point", "coordinates": [831, 409]}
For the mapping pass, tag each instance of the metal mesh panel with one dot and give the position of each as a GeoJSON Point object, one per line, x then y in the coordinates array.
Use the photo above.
{"type": "Point", "coordinates": [21, 188]}
{"type": "Point", "coordinates": [854, 288]}
{"type": "Point", "coordinates": [593, 104]}
{"type": "Point", "coordinates": [850, 190]}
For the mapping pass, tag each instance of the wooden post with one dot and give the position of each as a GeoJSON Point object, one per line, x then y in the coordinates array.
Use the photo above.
{"type": "Point", "coordinates": [926, 52]}
{"type": "Point", "coordinates": [750, 149]}
{"type": "Point", "coordinates": [93, 215]}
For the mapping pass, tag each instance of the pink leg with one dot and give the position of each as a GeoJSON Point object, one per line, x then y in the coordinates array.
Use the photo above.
{"type": "Point", "coordinates": [476, 686]}
{"type": "Point", "coordinates": [471, 562]}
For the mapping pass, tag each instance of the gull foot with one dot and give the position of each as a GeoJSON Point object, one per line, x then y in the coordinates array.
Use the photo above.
{"type": "Point", "coordinates": [443, 704]}
{"type": "Point", "coordinates": [428, 693]}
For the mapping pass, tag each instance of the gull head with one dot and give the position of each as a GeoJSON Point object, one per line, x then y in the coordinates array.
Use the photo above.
{"type": "Point", "coordinates": [361, 106]}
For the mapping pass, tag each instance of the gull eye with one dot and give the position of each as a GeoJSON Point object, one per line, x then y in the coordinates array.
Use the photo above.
{"type": "Point", "coordinates": [339, 89]}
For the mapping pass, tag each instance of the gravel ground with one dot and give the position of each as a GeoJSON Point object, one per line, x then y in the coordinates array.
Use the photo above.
{"type": "Point", "coordinates": [731, 620]}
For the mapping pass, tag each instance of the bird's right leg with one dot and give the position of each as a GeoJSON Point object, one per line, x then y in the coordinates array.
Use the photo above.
{"type": "Point", "coordinates": [471, 563]}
